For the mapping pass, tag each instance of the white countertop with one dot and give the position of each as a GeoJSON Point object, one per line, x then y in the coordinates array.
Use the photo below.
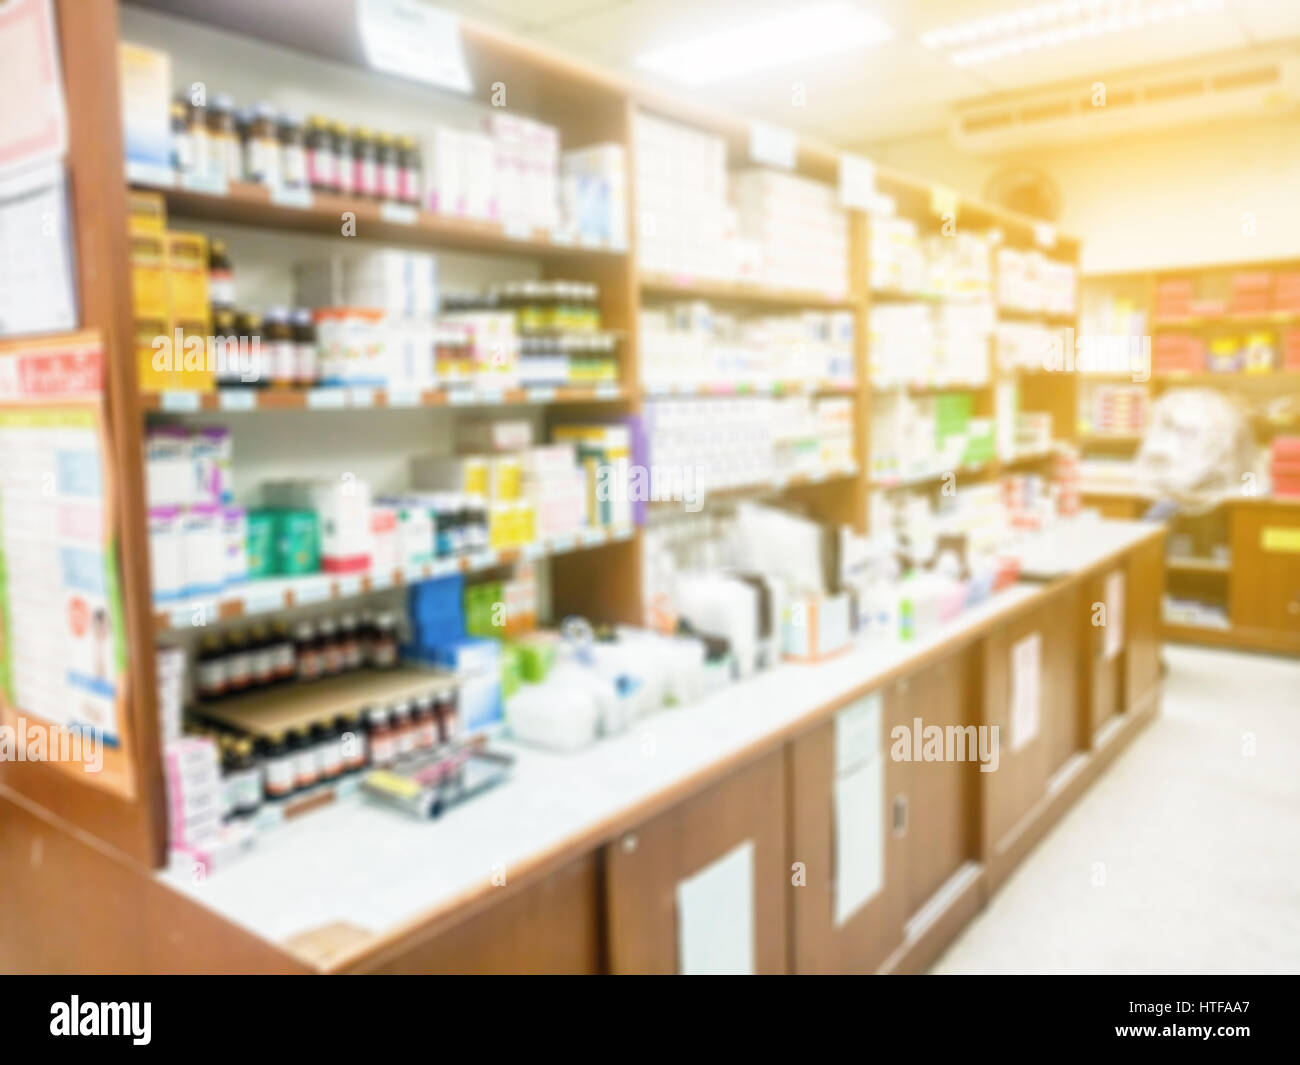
{"type": "Point", "coordinates": [370, 866]}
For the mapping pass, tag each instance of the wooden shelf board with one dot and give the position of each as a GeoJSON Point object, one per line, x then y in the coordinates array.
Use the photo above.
{"type": "Point", "coordinates": [347, 398]}
{"type": "Point", "coordinates": [286, 707]}
{"type": "Point", "coordinates": [269, 596]}
{"type": "Point", "coordinates": [1198, 565]}
{"type": "Point", "coordinates": [249, 204]}
{"type": "Point", "coordinates": [683, 287]}
{"type": "Point", "coordinates": [770, 388]}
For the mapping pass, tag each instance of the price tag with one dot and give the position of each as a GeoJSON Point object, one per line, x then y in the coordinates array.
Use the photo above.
{"type": "Point", "coordinates": [404, 397]}
{"type": "Point", "coordinates": [349, 586]}
{"type": "Point", "coordinates": [179, 402]}
{"type": "Point", "coordinates": [518, 231]}
{"type": "Point", "coordinates": [445, 567]}
{"type": "Point", "coordinates": [1044, 235]}
{"type": "Point", "coordinates": [491, 395]}
{"type": "Point", "coordinates": [211, 184]}
{"type": "Point", "coordinates": [561, 236]}
{"type": "Point", "coordinates": [857, 182]}
{"type": "Point", "coordinates": [326, 398]}
{"type": "Point", "coordinates": [532, 552]}
{"type": "Point", "coordinates": [772, 145]}
{"type": "Point", "coordinates": [541, 395]}
{"type": "Point", "coordinates": [262, 602]}
{"type": "Point", "coordinates": [607, 391]}
{"type": "Point", "coordinates": [361, 397]}
{"type": "Point", "coordinates": [312, 591]}
{"type": "Point", "coordinates": [381, 581]}
{"type": "Point", "coordinates": [462, 397]}
{"type": "Point", "coordinates": [943, 201]}
{"type": "Point", "coordinates": [400, 214]}
{"type": "Point", "coordinates": [592, 537]}
{"type": "Point", "coordinates": [237, 399]}
{"type": "Point", "coordinates": [560, 544]}
{"type": "Point", "coordinates": [300, 199]}
{"type": "Point", "coordinates": [621, 532]}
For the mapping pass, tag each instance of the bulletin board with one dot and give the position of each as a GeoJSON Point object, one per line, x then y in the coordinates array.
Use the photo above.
{"type": "Point", "coordinates": [62, 640]}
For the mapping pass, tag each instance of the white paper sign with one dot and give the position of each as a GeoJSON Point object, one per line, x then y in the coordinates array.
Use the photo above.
{"type": "Point", "coordinates": [859, 837]}
{"type": "Point", "coordinates": [715, 917]}
{"type": "Point", "coordinates": [1026, 690]}
{"type": "Point", "coordinates": [857, 733]}
{"type": "Point", "coordinates": [858, 182]}
{"type": "Point", "coordinates": [414, 40]}
{"type": "Point", "coordinates": [1113, 633]}
{"type": "Point", "coordinates": [772, 145]}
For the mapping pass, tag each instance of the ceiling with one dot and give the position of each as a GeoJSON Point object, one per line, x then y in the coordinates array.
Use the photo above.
{"type": "Point", "coordinates": [897, 89]}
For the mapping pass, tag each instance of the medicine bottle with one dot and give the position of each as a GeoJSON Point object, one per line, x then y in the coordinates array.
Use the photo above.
{"type": "Point", "coordinates": [343, 183]}
{"type": "Point", "coordinates": [278, 332]}
{"type": "Point", "coordinates": [352, 738]}
{"type": "Point", "coordinates": [382, 741]}
{"type": "Point", "coordinates": [306, 367]}
{"type": "Point", "coordinates": [306, 758]}
{"type": "Point", "coordinates": [210, 669]}
{"type": "Point", "coordinates": [403, 729]}
{"type": "Point", "coordinates": [307, 651]}
{"type": "Point", "coordinates": [364, 178]}
{"type": "Point", "coordinates": [330, 746]}
{"type": "Point", "coordinates": [221, 277]}
{"type": "Point", "coordinates": [283, 654]}
{"type": "Point", "coordinates": [264, 146]}
{"type": "Point", "coordinates": [223, 140]}
{"type": "Point", "coordinates": [321, 159]}
{"type": "Point", "coordinates": [279, 767]}
{"type": "Point", "coordinates": [386, 168]}
{"type": "Point", "coordinates": [411, 171]}
{"type": "Point", "coordinates": [293, 153]}
{"type": "Point", "coordinates": [331, 653]}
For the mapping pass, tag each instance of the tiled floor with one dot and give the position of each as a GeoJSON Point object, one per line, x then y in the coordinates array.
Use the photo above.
{"type": "Point", "coordinates": [1183, 857]}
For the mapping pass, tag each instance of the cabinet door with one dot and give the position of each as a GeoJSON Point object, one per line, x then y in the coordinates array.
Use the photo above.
{"type": "Point", "coordinates": [644, 869]}
{"type": "Point", "coordinates": [1103, 664]}
{"type": "Point", "coordinates": [552, 926]}
{"type": "Point", "coordinates": [1031, 682]}
{"type": "Point", "coordinates": [860, 941]}
{"type": "Point", "coordinates": [1265, 582]}
{"type": "Point", "coordinates": [1145, 570]}
{"type": "Point", "coordinates": [939, 823]}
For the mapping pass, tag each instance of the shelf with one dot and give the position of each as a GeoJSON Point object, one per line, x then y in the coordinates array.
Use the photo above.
{"type": "Point", "coordinates": [271, 595]}
{"type": "Point", "coordinates": [282, 708]}
{"type": "Point", "coordinates": [1015, 314]}
{"type": "Point", "coordinates": [931, 386]}
{"type": "Point", "coordinates": [775, 484]}
{"type": "Point", "coordinates": [1191, 564]}
{"type": "Point", "coordinates": [233, 400]}
{"type": "Point", "coordinates": [1110, 439]}
{"type": "Point", "coordinates": [770, 388]}
{"type": "Point", "coordinates": [683, 287]}
{"type": "Point", "coordinates": [893, 295]}
{"type": "Point", "coordinates": [1235, 377]}
{"type": "Point", "coordinates": [913, 480]}
{"type": "Point", "coordinates": [1228, 321]}
{"type": "Point", "coordinates": [253, 205]}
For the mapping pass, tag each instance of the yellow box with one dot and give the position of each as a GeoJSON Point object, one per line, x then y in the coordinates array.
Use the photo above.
{"type": "Point", "coordinates": [149, 286]}
{"type": "Point", "coordinates": [147, 332]}
{"type": "Point", "coordinates": [146, 211]}
{"type": "Point", "coordinates": [187, 277]}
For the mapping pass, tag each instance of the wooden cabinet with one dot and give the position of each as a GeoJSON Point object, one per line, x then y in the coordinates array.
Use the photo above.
{"type": "Point", "coordinates": [862, 941]}
{"type": "Point", "coordinates": [1102, 666]}
{"type": "Point", "coordinates": [644, 867]}
{"type": "Point", "coordinates": [552, 926]}
{"type": "Point", "coordinates": [1265, 587]}
{"type": "Point", "coordinates": [928, 815]}
{"type": "Point", "coordinates": [1144, 592]}
{"type": "Point", "coordinates": [1030, 664]}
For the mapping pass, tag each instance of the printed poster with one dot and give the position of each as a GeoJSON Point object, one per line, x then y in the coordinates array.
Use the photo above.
{"type": "Point", "coordinates": [62, 650]}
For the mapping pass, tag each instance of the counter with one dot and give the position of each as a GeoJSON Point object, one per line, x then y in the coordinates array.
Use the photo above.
{"type": "Point", "coordinates": [337, 884]}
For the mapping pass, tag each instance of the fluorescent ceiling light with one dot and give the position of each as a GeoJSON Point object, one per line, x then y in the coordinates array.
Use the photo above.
{"type": "Point", "coordinates": [785, 39]}
{"type": "Point", "coordinates": [1028, 29]}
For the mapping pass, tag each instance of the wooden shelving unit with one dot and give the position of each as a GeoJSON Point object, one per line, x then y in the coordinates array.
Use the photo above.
{"type": "Point", "coordinates": [600, 579]}
{"type": "Point", "coordinates": [1259, 590]}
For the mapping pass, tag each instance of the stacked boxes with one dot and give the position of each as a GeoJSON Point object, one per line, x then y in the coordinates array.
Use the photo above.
{"type": "Point", "coordinates": [1285, 467]}
{"type": "Point", "coordinates": [683, 216]}
{"type": "Point", "coordinates": [593, 184]}
{"type": "Point", "coordinates": [169, 276]}
{"type": "Point", "coordinates": [799, 228]}
{"type": "Point", "coordinates": [1031, 281]}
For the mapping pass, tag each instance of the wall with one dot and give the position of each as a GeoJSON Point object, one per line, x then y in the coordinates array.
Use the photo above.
{"type": "Point", "coordinates": [1160, 199]}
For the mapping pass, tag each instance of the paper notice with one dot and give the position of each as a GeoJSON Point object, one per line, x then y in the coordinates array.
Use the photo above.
{"type": "Point", "coordinates": [859, 837]}
{"type": "Point", "coordinates": [1026, 690]}
{"type": "Point", "coordinates": [715, 917]}
{"type": "Point", "coordinates": [1113, 634]}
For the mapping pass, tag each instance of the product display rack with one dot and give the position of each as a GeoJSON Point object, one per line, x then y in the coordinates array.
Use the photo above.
{"type": "Point", "coordinates": [1257, 589]}
{"type": "Point", "coordinates": [600, 577]}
